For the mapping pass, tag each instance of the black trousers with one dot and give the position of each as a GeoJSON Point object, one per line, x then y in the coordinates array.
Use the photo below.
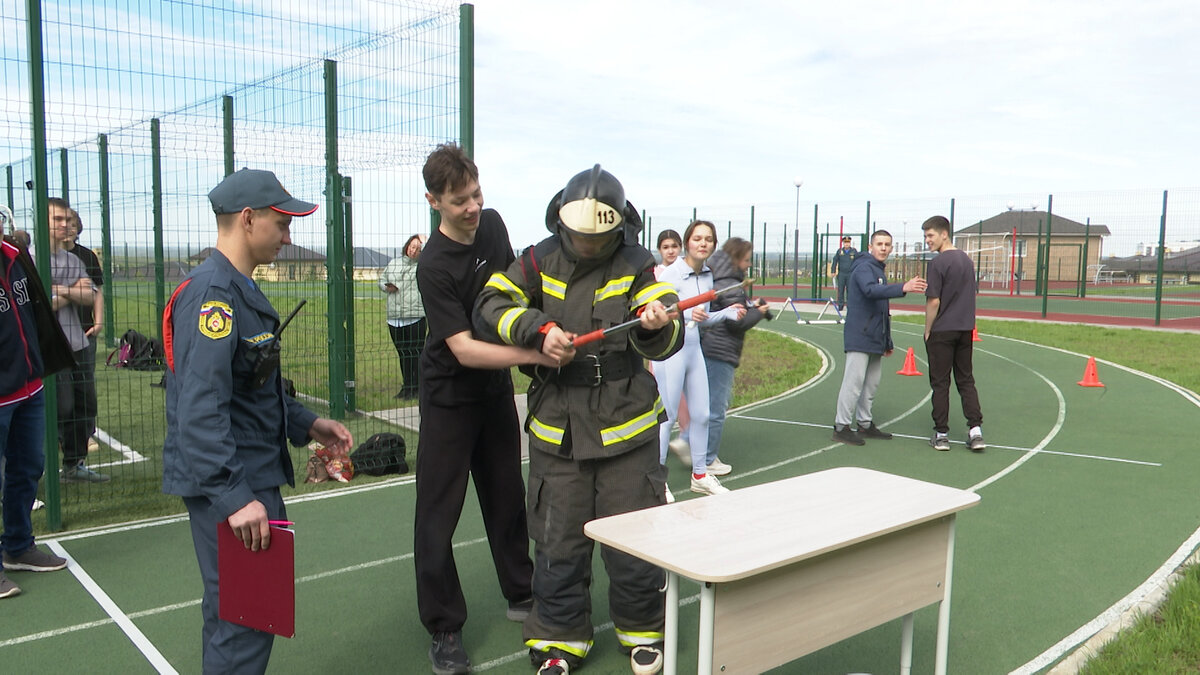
{"type": "Point", "coordinates": [481, 440]}
{"type": "Point", "coordinates": [409, 340]}
{"type": "Point", "coordinates": [77, 406]}
{"type": "Point", "coordinates": [951, 351]}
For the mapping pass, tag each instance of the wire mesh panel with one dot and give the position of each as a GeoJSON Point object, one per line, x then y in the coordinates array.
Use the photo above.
{"type": "Point", "coordinates": [150, 103]}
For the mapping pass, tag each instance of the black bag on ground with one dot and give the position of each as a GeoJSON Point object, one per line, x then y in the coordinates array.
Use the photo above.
{"type": "Point", "coordinates": [137, 352]}
{"type": "Point", "coordinates": [380, 455]}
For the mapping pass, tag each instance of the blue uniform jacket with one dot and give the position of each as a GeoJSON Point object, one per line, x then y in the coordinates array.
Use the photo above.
{"type": "Point", "coordinates": [868, 319]}
{"type": "Point", "coordinates": [225, 438]}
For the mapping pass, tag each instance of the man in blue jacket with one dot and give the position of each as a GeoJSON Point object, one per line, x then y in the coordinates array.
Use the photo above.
{"type": "Point", "coordinates": [867, 338]}
{"type": "Point", "coordinates": [228, 417]}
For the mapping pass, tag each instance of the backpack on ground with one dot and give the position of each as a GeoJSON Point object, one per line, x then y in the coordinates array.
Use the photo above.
{"type": "Point", "coordinates": [380, 455]}
{"type": "Point", "coordinates": [137, 352]}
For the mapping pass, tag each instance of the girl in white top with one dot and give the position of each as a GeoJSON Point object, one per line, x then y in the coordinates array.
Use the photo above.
{"type": "Point", "coordinates": [685, 372]}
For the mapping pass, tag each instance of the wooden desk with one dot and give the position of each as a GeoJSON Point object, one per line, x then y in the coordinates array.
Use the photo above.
{"type": "Point", "coordinates": [789, 567]}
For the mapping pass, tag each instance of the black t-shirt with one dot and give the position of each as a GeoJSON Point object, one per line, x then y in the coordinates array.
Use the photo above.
{"type": "Point", "coordinates": [951, 277]}
{"type": "Point", "coordinates": [450, 276]}
{"type": "Point", "coordinates": [92, 264]}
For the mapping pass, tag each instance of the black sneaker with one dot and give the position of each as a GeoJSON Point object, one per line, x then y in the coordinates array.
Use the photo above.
{"type": "Point", "coordinates": [940, 442]}
{"type": "Point", "coordinates": [846, 435]}
{"type": "Point", "coordinates": [448, 655]}
{"type": "Point", "coordinates": [519, 611]}
{"type": "Point", "coordinates": [976, 444]}
{"type": "Point", "coordinates": [872, 431]}
{"type": "Point", "coordinates": [553, 661]}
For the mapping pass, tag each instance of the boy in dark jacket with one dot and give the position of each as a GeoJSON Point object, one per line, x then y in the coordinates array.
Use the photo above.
{"type": "Point", "coordinates": [867, 338]}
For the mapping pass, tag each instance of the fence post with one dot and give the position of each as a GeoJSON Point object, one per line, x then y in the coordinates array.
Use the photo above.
{"type": "Point", "coordinates": [351, 368]}
{"type": "Point", "coordinates": [1162, 249]}
{"type": "Point", "coordinates": [1046, 274]}
{"type": "Point", "coordinates": [335, 242]}
{"type": "Point", "coordinates": [64, 172]}
{"type": "Point", "coordinates": [1087, 236]}
{"type": "Point", "coordinates": [106, 242]}
{"type": "Point", "coordinates": [227, 127]}
{"type": "Point", "coordinates": [160, 281]}
{"type": "Point", "coordinates": [815, 256]}
{"type": "Point", "coordinates": [751, 240]}
{"type": "Point", "coordinates": [466, 77]}
{"type": "Point", "coordinates": [41, 238]}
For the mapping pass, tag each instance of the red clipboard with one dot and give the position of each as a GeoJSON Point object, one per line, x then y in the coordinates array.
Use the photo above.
{"type": "Point", "coordinates": [258, 588]}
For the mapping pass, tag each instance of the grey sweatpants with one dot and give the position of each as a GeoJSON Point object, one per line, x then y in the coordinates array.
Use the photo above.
{"type": "Point", "coordinates": [859, 384]}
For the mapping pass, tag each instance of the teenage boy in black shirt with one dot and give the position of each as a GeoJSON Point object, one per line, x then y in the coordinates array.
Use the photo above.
{"type": "Point", "coordinates": [468, 419]}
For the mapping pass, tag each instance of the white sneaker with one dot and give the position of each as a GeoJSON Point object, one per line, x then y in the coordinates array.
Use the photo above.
{"type": "Point", "coordinates": [37, 504]}
{"type": "Point", "coordinates": [670, 497]}
{"type": "Point", "coordinates": [682, 450]}
{"type": "Point", "coordinates": [708, 485]}
{"type": "Point", "coordinates": [719, 468]}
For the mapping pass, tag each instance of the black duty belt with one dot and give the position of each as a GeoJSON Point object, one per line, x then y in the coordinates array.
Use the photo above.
{"type": "Point", "coordinates": [592, 370]}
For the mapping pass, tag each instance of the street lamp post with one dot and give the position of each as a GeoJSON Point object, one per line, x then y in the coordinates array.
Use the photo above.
{"type": "Point", "coordinates": [798, 181]}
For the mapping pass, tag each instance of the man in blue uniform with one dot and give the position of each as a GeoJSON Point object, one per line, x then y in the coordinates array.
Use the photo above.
{"type": "Point", "coordinates": [228, 418]}
{"type": "Point", "coordinates": [841, 265]}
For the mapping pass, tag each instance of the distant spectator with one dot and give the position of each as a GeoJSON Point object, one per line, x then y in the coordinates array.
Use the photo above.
{"type": "Point", "coordinates": [91, 317]}
{"type": "Point", "coordinates": [722, 342]}
{"type": "Point", "coordinates": [22, 407]}
{"type": "Point", "coordinates": [405, 314]}
{"type": "Point", "coordinates": [843, 261]}
{"type": "Point", "coordinates": [71, 289]}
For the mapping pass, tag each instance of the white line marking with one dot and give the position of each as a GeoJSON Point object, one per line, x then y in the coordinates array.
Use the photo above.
{"type": "Point", "coordinates": [139, 640]}
{"type": "Point", "coordinates": [129, 453]}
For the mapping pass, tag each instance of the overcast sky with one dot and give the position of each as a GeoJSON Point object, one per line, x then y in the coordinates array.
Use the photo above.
{"type": "Point", "coordinates": [726, 103]}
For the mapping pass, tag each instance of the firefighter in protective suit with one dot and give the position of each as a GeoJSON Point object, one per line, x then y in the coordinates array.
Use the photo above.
{"type": "Point", "coordinates": [593, 423]}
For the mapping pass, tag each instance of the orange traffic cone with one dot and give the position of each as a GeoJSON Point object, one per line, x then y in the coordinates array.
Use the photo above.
{"type": "Point", "coordinates": [1090, 378]}
{"type": "Point", "coordinates": [975, 335]}
{"type": "Point", "coordinates": [910, 364]}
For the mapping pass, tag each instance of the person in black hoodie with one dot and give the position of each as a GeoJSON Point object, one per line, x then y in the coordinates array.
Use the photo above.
{"type": "Point", "coordinates": [722, 342]}
{"type": "Point", "coordinates": [867, 337]}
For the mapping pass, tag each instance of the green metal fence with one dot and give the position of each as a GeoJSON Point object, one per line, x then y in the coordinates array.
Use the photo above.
{"type": "Point", "coordinates": [133, 110]}
{"type": "Point", "coordinates": [1129, 257]}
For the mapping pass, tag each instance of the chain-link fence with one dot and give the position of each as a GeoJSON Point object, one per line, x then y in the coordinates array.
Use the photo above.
{"type": "Point", "coordinates": [1123, 257]}
{"type": "Point", "coordinates": [139, 109]}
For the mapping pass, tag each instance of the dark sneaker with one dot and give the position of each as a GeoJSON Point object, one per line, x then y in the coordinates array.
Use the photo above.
{"type": "Point", "coordinates": [519, 611]}
{"type": "Point", "coordinates": [846, 435]}
{"type": "Point", "coordinates": [872, 431]}
{"type": "Point", "coordinates": [81, 474]}
{"type": "Point", "coordinates": [33, 560]}
{"type": "Point", "coordinates": [976, 443]}
{"type": "Point", "coordinates": [8, 588]}
{"type": "Point", "coordinates": [447, 654]}
{"type": "Point", "coordinates": [940, 442]}
{"type": "Point", "coordinates": [646, 659]}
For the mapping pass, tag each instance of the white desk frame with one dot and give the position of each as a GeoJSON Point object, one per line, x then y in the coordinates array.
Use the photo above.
{"type": "Point", "coordinates": [801, 563]}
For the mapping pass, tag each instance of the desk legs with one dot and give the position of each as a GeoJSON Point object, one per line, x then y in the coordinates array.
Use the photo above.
{"type": "Point", "coordinates": [906, 643]}
{"type": "Point", "coordinates": [943, 630]}
{"type": "Point", "coordinates": [708, 613]}
{"type": "Point", "coordinates": [671, 619]}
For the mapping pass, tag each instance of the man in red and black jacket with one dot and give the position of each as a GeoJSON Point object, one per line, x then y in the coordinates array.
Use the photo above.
{"type": "Point", "coordinates": [22, 426]}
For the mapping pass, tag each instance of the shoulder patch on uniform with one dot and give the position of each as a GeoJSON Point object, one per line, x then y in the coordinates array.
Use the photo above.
{"type": "Point", "coordinates": [216, 319]}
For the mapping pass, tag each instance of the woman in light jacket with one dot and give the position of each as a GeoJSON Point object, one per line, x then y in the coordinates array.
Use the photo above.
{"type": "Point", "coordinates": [405, 314]}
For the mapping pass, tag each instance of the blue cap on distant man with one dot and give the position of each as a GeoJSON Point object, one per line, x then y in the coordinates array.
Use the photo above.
{"type": "Point", "coordinates": [255, 189]}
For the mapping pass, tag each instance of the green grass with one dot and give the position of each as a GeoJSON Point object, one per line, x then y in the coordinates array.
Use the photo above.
{"type": "Point", "coordinates": [1162, 643]}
